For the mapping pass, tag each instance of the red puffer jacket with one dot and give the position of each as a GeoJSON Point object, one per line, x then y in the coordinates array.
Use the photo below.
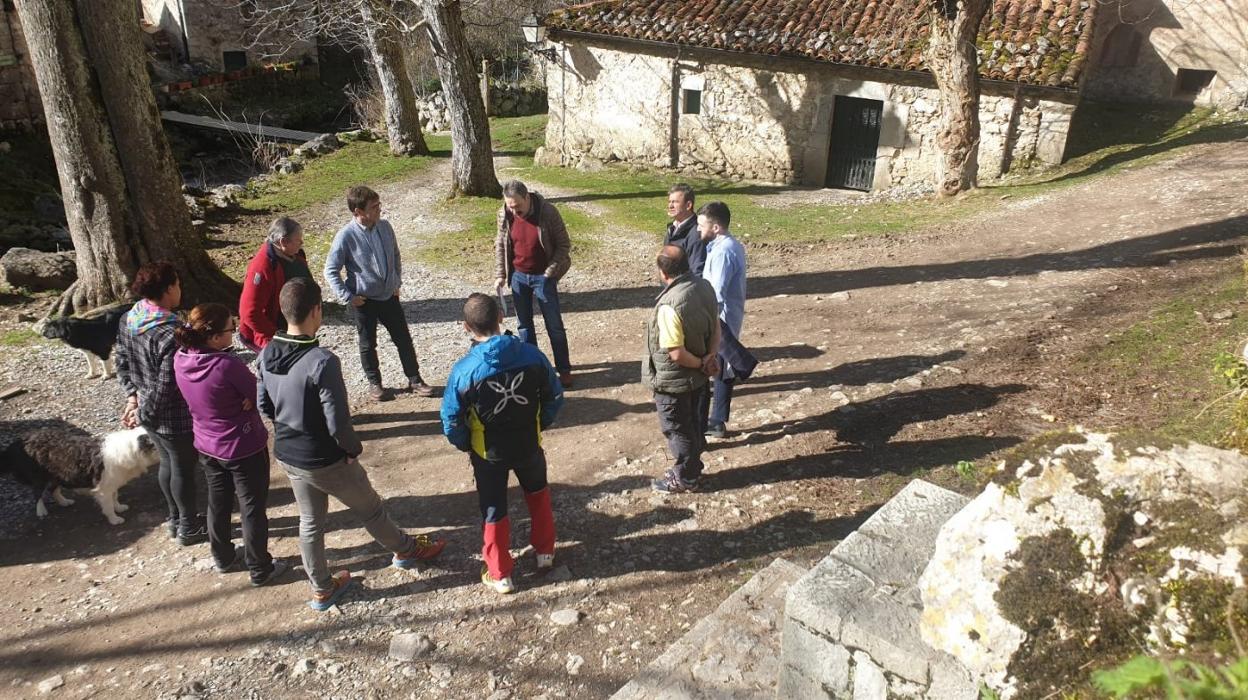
{"type": "Point", "coordinates": [258, 309]}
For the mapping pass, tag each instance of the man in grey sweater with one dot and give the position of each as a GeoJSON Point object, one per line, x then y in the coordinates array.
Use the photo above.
{"type": "Point", "coordinates": [302, 391]}
{"type": "Point", "coordinates": [367, 249]}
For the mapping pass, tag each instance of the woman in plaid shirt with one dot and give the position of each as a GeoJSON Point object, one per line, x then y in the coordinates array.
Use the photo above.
{"type": "Point", "coordinates": [145, 350]}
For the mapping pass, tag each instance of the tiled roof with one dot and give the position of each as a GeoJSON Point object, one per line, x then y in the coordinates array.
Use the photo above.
{"type": "Point", "coordinates": [1039, 42]}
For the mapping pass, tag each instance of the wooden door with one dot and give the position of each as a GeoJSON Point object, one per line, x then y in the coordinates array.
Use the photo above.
{"type": "Point", "coordinates": [855, 138]}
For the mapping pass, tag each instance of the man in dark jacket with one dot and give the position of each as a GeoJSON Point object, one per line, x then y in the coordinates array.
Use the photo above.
{"type": "Point", "coordinates": [682, 345]}
{"type": "Point", "coordinates": [280, 258]}
{"type": "Point", "coordinates": [498, 400]}
{"type": "Point", "coordinates": [683, 230]}
{"type": "Point", "coordinates": [532, 252]}
{"type": "Point", "coordinates": [302, 391]}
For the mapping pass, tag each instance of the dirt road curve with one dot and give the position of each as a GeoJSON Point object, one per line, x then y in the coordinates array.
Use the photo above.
{"type": "Point", "coordinates": [883, 357]}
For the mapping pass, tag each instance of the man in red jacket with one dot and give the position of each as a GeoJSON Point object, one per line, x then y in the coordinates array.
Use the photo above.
{"type": "Point", "coordinates": [279, 259]}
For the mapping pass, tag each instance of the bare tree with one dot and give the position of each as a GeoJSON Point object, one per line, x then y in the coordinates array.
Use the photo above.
{"type": "Point", "coordinates": [121, 187]}
{"type": "Point", "coordinates": [951, 57]}
{"type": "Point", "coordinates": [402, 114]}
{"type": "Point", "coordinates": [472, 159]}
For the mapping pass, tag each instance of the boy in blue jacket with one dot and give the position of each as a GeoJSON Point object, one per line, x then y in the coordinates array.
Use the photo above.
{"type": "Point", "coordinates": [498, 400]}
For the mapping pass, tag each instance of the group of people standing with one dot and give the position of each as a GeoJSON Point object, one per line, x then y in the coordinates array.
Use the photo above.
{"type": "Point", "coordinates": [202, 403]}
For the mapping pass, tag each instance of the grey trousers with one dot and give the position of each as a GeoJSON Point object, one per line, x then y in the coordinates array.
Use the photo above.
{"type": "Point", "coordinates": [349, 484]}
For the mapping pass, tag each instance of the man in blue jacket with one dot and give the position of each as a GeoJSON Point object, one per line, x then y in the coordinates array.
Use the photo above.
{"type": "Point", "coordinates": [498, 400]}
{"type": "Point", "coordinates": [366, 247]}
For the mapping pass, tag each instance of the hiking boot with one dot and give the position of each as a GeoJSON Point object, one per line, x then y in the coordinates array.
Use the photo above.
{"type": "Point", "coordinates": [379, 392]}
{"type": "Point", "coordinates": [423, 549]}
{"type": "Point", "coordinates": [565, 378]}
{"type": "Point", "coordinates": [545, 561]}
{"type": "Point", "coordinates": [498, 585]}
{"type": "Point", "coordinates": [342, 582]}
{"type": "Point", "coordinates": [670, 483]}
{"type": "Point", "coordinates": [234, 564]}
{"type": "Point", "coordinates": [420, 388]}
{"type": "Point", "coordinates": [279, 568]}
{"type": "Point", "coordinates": [716, 431]}
{"type": "Point", "coordinates": [195, 534]}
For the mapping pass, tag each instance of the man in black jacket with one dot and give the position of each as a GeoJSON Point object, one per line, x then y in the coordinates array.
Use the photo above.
{"type": "Point", "coordinates": [683, 230]}
{"type": "Point", "coordinates": [302, 391]}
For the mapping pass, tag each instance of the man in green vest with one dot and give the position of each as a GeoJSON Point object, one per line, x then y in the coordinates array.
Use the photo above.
{"type": "Point", "coordinates": [682, 347]}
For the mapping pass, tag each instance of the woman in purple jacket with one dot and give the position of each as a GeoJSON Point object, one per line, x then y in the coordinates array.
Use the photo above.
{"type": "Point", "coordinates": [231, 439]}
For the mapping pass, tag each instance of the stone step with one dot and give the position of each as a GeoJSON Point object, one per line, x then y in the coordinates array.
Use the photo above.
{"type": "Point", "coordinates": [733, 653]}
{"type": "Point", "coordinates": [851, 625]}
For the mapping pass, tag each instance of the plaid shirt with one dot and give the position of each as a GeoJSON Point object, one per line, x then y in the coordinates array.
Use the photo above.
{"type": "Point", "coordinates": [145, 369]}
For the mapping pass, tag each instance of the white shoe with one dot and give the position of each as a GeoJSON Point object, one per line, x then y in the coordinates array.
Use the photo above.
{"type": "Point", "coordinates": [545, 561]}
{"type": "Point", "coordinates": [503, 585]}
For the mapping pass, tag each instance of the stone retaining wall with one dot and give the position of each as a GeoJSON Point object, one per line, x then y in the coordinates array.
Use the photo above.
{"type": "Point", "coordinates": [20, 107]}
{"type": "Point", "coordinates": [504, 102]}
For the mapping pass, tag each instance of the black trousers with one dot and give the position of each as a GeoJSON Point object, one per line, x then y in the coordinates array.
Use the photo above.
{"type": "Point", "coordinates": [683, 424]}
{"type": "Point", "coordinates": [492, 479]}
{"type": "Point", "coordinates": [247, 478]}
{"type": "Point", "coordinates": [390, 314]}
{"type": "Point", "coordinates": [177, 475]}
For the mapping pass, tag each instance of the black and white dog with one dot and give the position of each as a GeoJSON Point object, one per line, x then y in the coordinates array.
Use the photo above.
{"type": "Point", "coordinates": [94, 334]}
{"type": "Point", "coordinates": [50, 459]}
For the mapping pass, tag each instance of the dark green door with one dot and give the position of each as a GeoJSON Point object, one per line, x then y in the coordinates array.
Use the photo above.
{"type": "Point", "coordinates": [855, 138]}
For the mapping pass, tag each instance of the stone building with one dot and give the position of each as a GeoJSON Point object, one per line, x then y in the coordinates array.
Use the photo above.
{"type": "Point", "coordinates": [219, 33]}
{"type": "Point", "coordinates": [20, 108]}
{"type": "Point", "coordinates": [1172, 50]}
{"type": "Point", "coordinates": [813, 92]}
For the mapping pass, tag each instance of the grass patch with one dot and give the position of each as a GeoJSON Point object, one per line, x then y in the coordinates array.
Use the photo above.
{"type": "Point", "coordinates": [326, 178]}
{"type": "Point", "coordinates": [1174, 349]}
{"type": "Point", "coordinates": [18, 337]}
{"type": "Point", "coordinates": [518, 136]}
{"type": "Point", "coordinates": [473, 246]}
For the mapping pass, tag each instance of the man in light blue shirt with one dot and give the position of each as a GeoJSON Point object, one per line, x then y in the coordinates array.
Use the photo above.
{"type": "Point", "coordinates": [725, 270]}
{"type": "Point", "coordinates": [366, 248]}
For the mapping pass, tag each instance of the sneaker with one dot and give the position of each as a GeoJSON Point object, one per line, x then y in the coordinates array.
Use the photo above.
{"type": "Point", "coordinates": [546, 561]}
{"type": "Point", "coordinates": [420, 388]}
{"type": "Point", "coordinates": [279, 568]}
{"type": "Point", "coordinates": [379, 392]}
{"type": "Point", "coordinates": [565, 378]}
{"type": "Point", "coordinates": [498, 585]}
{"type": "Point", "coordinates": [234, 565]}
{"type": "Point", "coordinates": [716, 431]}
{"type": "Point", "coordinates": [670, 483]}
{"type": "Point", "coordinates": [424, 549]}
{"type": "Point", "coordinates": [324, 601]}
{"type": "Point", "coordinates": [196, 534]}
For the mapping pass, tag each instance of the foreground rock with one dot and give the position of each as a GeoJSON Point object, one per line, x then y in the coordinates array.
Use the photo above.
{"type": "Point", "coordinates": [38, 271]}
{"type": "Point", "coordinates": [1062, 563]}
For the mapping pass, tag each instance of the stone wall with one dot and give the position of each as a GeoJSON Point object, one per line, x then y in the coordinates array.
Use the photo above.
{"type": "Point", "coordinates": [504, 102]}
{"type": "Point", "coordinates": [1141, 47]}
{"type": "Point", "coordinates": [20, 108]}
{"type": "Point", "coordinates": [213, 27]}
{"type": "Point", "coordinates": [771, 119]}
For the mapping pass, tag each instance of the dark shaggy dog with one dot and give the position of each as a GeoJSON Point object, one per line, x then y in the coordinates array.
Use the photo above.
{"type": "Point", "coordinates": [94, 334]}
{"type": "Point", "coordinates": [49, 459]}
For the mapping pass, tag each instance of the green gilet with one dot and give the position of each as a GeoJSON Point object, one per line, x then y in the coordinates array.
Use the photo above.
{"type": "Point", "coordinates": [694, 301]}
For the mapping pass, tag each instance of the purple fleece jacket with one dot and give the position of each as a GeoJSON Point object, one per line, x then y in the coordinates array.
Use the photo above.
{"type": "Point", "coordinates": [215, 386]}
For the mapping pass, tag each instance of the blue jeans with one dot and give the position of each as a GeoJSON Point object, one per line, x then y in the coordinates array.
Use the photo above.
{"type": "Point", "coordinates": [524, 287]}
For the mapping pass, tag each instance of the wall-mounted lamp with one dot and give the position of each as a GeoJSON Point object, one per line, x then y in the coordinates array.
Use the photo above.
{"type": "Point", "coordinates": [535, 36]}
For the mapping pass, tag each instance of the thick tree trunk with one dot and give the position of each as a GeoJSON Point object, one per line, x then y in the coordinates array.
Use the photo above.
{"type": "Point", "coordinates": [951, 57]}
{"type": "Point", "coordinates": [472, 156]}
{"type": "Point", "coordinates": [402, 116]}
{"type": "Point", "coordinates": [120, 185]}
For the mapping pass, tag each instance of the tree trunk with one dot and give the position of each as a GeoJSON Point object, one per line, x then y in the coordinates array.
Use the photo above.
{"type": "Point", "coordinates": [120, 185]}
{"type": "Point", "coordinates": [402, 115]}
{"type": "Point", "coordinates": [951, 57]}
{"type": "Point", "coordinates": [472, 156]}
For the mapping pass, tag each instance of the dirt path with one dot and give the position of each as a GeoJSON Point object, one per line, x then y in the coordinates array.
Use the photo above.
{"type": "Point", "coordinates": [883, 358]}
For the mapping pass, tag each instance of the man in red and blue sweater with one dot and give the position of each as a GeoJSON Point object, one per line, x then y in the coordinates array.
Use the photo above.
{"type": "Point", "coordinates": [498, 400]}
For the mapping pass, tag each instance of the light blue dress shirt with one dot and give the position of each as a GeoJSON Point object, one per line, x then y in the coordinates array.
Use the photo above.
{"type": "Point", "coordinates": [725, 270]}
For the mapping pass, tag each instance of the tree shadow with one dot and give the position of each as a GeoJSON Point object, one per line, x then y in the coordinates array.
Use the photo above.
{"type": "Point", "coordinates": [888, 369]}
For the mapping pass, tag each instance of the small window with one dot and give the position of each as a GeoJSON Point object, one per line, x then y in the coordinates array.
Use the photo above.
{"type": "Point", "coordinates": [1191, 82]}
{"type": "Point", "coordinates": [690, 101]}
{"type": "Point", "coordinates": [234, 60]}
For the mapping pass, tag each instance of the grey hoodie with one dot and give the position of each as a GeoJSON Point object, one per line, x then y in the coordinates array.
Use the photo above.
{"type": "Point", "coordinates": [302, 391]}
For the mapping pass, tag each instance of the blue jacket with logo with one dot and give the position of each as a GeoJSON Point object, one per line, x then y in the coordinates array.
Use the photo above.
{"type": "Point", "coordinates": [499, 398]}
